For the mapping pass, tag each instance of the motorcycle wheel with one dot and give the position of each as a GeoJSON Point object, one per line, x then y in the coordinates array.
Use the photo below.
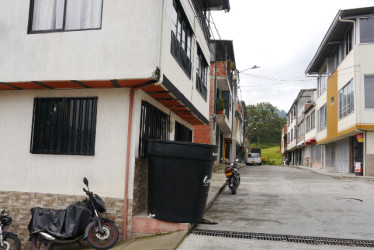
{"type": "Point", "coordinates": [105, 241]}
{"type": "Point", "coordinates": [233, 190]}
{"type": "Point", "coordinates": [40, 243]}
{"type": "Point", "coordinates": [11, 242]}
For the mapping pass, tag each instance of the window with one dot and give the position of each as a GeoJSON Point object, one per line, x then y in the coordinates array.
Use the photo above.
{"type": "Point", "coordinates": [64, 126]}
{"type": "Point", "coordinates": [369, 92]}
{"type": "Point", "coordinates": [313, 120]}
{"type": "Point", "coordinates": [201, 73]}
{"type": "Point", "coordinates": [181, 36]}
{"type": "Point", "coordinates": [64, 15]}
{"type": "Point", "coordinates": [366, 30]}
{"type": "Point", "coordinates": [346, 102]}
{"type": "Point", "coordinates": [322, 82]}
{"type": "Point", "coordinates": [322, 118]}
{"type": "Point", "coordinates": [291, 134]}
{"type": "Point", "coordinates": [348, 38]}
{"type": "Point", "coordinates": [332, 62]}
{"type": "Point", "coordinates": [307, 124]}
{"type": "Point", "coordinates": [288, 137]}
{"type": "Point", "coordinates": [182, 133]}
{"type": "Point", "coordinates": [154, 124]}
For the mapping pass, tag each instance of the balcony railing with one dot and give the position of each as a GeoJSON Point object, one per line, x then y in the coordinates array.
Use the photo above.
{"type": "Point", "coordinates": [199, 7]}
{"type": "Point", "coordinates": [201, 87]}
{"type": "Point", "coordinates": [180, 55]}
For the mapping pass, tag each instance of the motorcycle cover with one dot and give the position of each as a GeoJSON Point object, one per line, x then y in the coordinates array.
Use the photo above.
{"type": "Point", "coordinates": [63, 223]}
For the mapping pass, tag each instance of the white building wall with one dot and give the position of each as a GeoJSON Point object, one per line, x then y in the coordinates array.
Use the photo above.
{"type": "Point", "coordinates": [127, 45]}
{"type": "Point", "coordinates": [171, 68]}
{"type": "Point", "coordinates": [63, 174]}
{"type": "Point", "coordinates": [320, 102]}
{"type": "Point", "coordinates": [364, 58]}
{"type": "Point", "coordinates": [346, 72]}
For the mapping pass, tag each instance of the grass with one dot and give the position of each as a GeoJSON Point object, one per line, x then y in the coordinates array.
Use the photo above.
{"type": "Point", "coordinates": [271, 152]}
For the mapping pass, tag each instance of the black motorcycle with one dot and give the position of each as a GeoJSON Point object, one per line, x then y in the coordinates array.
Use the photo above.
{"type": "Point", "coordinates": [232, 176]}
{"type": "Point", "coordinates": [49, 227]}
{"type": "Point", "coordinates": [8, 240]}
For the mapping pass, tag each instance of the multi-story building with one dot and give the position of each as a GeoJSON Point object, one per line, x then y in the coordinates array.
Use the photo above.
{"type": "Point", "coordinates": [83, 85]}
{"type": "Point", "coordinates": [222, 126]}
{"type": "Point", "coordinates": [345, 104]}
{"type": "Point", "coordinates": [296, 127]}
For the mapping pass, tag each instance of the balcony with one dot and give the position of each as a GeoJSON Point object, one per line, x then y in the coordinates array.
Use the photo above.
{"type": "Point", "coordinates": [224, 123]}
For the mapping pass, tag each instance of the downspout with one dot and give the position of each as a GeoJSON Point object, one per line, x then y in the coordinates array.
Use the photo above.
{"type": "Point", "coordinates": [155, 78]}
{"type": "Point", "coordinates": [125, 203]}
{"type": "Point", "coordinates": [354, 27]}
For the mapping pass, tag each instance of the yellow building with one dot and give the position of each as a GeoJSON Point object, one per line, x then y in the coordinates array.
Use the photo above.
{"type": "Point", "coordinates": [344, 66]}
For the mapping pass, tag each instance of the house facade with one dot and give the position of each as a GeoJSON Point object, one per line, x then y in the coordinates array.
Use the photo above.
{"type": "Point", "coordinates": [83, 85]}
{"type": "Point", "coordinates": [344, 107]}
{"type": "Point", "coordinates": [222, 128]}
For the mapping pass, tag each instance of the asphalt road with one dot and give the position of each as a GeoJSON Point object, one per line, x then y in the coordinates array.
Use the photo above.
{"type": "Point", "coordinates": [288, 201]}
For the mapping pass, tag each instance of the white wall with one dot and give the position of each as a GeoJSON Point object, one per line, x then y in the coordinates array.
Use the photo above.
{"type": "Point", "coordinates": [172, 69]}
{"type": "Point", "coordinates": [63, 174]}
{"type": "Point", "coordinates": [364, 58]}
{"type": "Point", "coordinates": [370, 142]}
{"type": "Point", "coordinates": [127, 46]}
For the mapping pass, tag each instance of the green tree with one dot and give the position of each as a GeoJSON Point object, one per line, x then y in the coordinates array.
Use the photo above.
{"type": "Point", "coordinates": [264, 123]}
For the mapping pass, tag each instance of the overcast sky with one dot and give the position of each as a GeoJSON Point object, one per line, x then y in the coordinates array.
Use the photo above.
{"type": "Point", "coordinates": [280, 36]}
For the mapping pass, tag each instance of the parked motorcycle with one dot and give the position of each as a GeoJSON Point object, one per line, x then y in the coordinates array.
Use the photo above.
{"type": "Point", "coordinates": [49, 227]}
{"type": "Point", "coordinates": [8, 240]}
{"type": "Point", "coordinates": [232, 176]}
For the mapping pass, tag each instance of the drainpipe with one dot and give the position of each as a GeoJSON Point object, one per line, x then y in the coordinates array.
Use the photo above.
{"type": "Point", "coordinates": [125, 203]}
{"type": "Point", "coordinates": [354, 27]}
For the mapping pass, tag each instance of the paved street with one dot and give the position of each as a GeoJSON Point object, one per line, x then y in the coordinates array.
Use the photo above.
{"type": "Point", "coordinates": [289, 201]}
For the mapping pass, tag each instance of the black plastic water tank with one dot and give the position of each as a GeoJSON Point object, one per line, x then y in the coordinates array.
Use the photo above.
{"type": "Point", "coordinates": [179, 178]}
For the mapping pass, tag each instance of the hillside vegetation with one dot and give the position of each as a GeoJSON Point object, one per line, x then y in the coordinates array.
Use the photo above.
{"type": "Point", "coordinates": [271, 152]}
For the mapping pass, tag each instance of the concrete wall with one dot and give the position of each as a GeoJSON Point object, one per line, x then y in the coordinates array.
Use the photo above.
{"type": "Point", "coordinates": [369, 141]}
{"type": "Point", "coordinates": [169, 65]}
{"type": "Point", "coordinates": [364, 58]}
{"type": "Point", "coordinates": [63, 174]}
{"type": "Point", "coordinates": [346, 72]}
{"type": "Point", "coordinates": [126, 46]}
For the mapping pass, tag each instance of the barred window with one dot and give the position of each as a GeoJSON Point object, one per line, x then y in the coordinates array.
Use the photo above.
{"type": "Point", "coordinates": [64, 126]}
{"type": "Point", "coordinates": [181, 37]}
{"type": "Point", "coordinates": [154, 124]}
{"type": "Point", "coordinates": [182, 133]}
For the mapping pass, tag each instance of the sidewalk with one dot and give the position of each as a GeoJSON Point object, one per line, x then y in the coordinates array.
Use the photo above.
{"type": "Point", "coordinates": [333, 174]}
{"type": "Point", "coordinates": [172, 240]}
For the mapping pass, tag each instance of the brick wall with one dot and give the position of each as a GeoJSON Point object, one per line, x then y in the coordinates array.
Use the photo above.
{"type": "Point", "coordinates": [18, 205]}
{"type": "Point", "coordinates": [202, 134]}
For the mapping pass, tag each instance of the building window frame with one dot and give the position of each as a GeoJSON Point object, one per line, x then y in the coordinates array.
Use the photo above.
{"type": "Point", "coordinates": [369, 92]}
{"type": "Point", "coordinates": [181, 38]}
{"type": "Point", "coordinates": [322, 81]}
{"type": "Point", "coordinates": [154, 124]}
{"type": "Point", "coordinates": [322, 118]}
{"type": "Point", "coordinates": [346, 100]}
{"type": "Point", "coordinates": [182, 133]}
{"type": "Point", "coordinates": [202, 71]}
{"type": "Point", "coordinates": [64, 14]}
{"type": "Point", "coordinates": [64, 125]}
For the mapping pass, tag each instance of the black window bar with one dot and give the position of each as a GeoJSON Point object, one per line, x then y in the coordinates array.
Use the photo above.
{"type": "Point", "coordinates": [182, 133]}
{"type": "Point", "coordinates": [154, 124]}
{"type": "Point", "coordinates": [64, 126]}
{"type": "Point", "coordinates": [180, 55]}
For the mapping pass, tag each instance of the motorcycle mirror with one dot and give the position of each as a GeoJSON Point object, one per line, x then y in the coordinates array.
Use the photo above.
{"type": "Point", "coordinates": [85, 181]}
